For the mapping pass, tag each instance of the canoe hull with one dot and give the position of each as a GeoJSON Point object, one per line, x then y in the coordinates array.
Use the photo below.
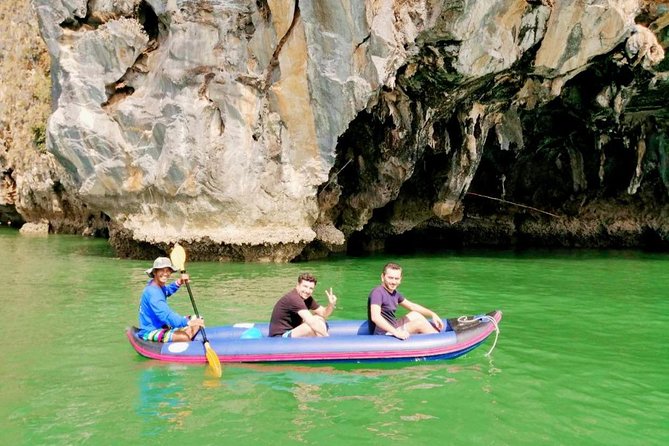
{"type": "Point", "coordinates": [349, 341]}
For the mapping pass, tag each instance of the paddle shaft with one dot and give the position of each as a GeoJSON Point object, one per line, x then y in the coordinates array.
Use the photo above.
{"type": "Point", "coordinates": [197, 313]}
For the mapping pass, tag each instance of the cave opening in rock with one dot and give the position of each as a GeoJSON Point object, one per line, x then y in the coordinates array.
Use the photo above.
{"type": "Point", "coordinates": [149, 20]}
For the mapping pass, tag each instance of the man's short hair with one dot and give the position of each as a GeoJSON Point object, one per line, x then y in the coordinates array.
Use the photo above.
{"type": "Point", "coordinates": [307, 277]}
{"type": "Point", "coordinates": [391, 265]}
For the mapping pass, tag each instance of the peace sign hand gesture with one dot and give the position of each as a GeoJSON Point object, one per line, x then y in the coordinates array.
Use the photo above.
{"type": "Point", "coordinates": [331, 297]}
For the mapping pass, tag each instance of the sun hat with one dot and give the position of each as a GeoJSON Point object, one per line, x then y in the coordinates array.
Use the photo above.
{"type": "Point", "coordinates": [160, 262]}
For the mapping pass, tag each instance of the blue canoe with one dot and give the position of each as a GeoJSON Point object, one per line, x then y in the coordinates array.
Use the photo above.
{"type": "Point", "coordinates": [349, 340]}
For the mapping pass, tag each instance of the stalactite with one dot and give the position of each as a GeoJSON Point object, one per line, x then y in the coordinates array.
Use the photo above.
{"type": "Point", "coordinates": [638, 171]}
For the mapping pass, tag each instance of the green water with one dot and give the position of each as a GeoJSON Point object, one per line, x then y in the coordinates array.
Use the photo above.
{"type": "Point", "coordinates": [582, 356]}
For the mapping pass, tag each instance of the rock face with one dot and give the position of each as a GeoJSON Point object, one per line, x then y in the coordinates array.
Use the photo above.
{"type": "Point", "coordinates": [275, 130]}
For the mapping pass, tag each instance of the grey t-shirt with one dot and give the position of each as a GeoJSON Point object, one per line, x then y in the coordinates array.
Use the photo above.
{"type": "Point", "coordinates": [388, 303]}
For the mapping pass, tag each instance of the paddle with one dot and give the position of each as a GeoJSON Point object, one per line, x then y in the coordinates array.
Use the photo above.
{"type": "Point", "coordinates": [178, 257]}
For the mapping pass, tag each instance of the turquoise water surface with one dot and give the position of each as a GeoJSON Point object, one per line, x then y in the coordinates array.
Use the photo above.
{"type": "Point", "coordinates": [581, 359]}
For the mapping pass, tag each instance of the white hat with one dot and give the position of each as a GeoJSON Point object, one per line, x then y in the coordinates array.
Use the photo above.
{"type": "Point", "coordinates": [160, 262]}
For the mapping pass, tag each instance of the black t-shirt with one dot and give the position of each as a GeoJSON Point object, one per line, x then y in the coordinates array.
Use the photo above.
{"type": "Point", "coordinates": [284, 315]}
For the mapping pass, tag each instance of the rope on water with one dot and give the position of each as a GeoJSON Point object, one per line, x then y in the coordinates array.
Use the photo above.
{"type": "Point", "coordinates": [482, 318]}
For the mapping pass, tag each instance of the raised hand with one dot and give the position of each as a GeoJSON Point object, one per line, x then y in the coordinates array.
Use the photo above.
{"type": "Point", "coordinates": [332, 298]}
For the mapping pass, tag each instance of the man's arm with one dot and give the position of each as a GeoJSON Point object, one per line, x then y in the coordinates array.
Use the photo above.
{"type": "Point", "coordinates": [383, 324]}
{"type": "Point", "coordinates": [411, 306]}
{"type": "Point", "coordinates": [325, 312]}
{"type": "Point", "coordinates": [313, 322]}
{"type": "Point", "coordinates": [174, 286]}
{"type": "Point", "coordinates": [163, 312]}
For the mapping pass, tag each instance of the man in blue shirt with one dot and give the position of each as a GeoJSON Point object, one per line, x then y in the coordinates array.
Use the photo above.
{"type": "Point", "coordinates": [157, 321]}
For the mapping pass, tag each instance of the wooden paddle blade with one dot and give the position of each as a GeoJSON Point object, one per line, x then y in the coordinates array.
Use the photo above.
{"type": "Point", "coordinates": [178, 257]}
{"type": "Point", "coordinates": [213, 360]}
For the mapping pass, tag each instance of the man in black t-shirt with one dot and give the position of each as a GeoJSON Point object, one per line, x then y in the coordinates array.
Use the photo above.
{"type": "Point", "coordinates": [298, 315]}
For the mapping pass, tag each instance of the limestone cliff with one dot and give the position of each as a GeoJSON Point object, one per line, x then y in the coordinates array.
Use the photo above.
{"type": "Point", "coordinates": [275, 130]}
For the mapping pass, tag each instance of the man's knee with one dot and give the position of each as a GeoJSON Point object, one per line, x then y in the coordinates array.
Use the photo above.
{"type": "Point", "coordinates": [413, 316]}
{"type": "Point", "coordinates": [187, 334]}
{"type": "Point", "coordinates": [324, 323]}
{"type": "Point", "coordinates": [419, 324]}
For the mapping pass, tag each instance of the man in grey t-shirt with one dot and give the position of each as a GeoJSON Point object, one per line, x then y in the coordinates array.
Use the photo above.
{"type": "Point", "coordinates": [383, 301]}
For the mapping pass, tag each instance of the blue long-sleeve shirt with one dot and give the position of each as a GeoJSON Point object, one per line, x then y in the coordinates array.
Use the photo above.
{"type": "Point", "coordinates": [154, 312]}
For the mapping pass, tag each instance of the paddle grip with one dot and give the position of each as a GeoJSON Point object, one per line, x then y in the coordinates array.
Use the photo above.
{"type": "Point", "coordinates": [197, 313]}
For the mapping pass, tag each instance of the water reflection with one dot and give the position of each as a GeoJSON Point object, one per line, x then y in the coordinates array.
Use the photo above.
{"type": "Point", "coordinates": [381, 399]}
{"type": "Point", "coordinates": [168, 394]}
{"type": "Point", "coordinates": [162, 396]}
